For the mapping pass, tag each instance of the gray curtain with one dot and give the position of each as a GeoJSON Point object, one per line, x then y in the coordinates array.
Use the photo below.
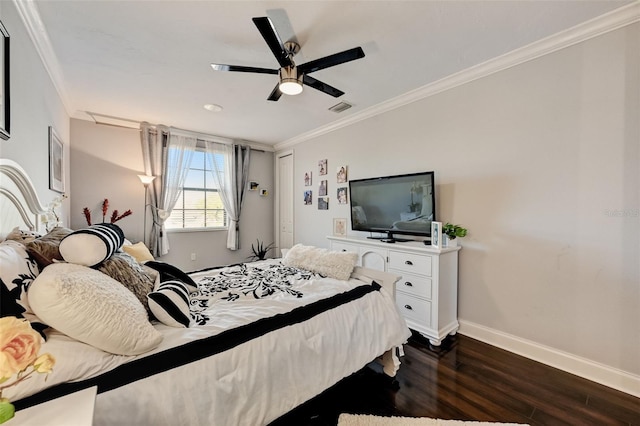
{"type": "Point", "coordinates": [229, 165]}
{"type": "Point", "coordinates": [166, 156]}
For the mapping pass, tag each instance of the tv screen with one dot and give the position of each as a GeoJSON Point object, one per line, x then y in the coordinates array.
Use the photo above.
{"type": "Point", "coordinates": [402, 204]}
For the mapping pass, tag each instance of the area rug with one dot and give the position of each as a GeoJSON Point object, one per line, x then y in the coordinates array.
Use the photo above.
{"type": "Point", "coordinates": [368, 420]}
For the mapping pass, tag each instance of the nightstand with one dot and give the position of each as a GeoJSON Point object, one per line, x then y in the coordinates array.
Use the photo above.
{"type": "Point", "coordinates": [75, 409]}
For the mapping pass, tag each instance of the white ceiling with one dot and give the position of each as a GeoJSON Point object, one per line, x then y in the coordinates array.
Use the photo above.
{"type": "Point", "coordinates": [150, 60]}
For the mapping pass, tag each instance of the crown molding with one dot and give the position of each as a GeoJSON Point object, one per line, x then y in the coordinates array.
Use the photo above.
{"type": "Point", "coordinates": [595, 27]}
{"type": "Point", "coordinates": [28, 11]}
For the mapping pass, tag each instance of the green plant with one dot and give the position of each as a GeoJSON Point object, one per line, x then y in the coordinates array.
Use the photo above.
{"type": "Point", "coordinates": [453, 231]}
{"type": "Point", "coordinates": [260, 250]}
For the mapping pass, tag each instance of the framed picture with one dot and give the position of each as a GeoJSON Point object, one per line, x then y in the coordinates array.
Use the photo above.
{"type": "Point", "coordinates": [340, 227]}
{"type": "Point", "coordinates": [56, 162]}
{"type": "Point", "coordinates": [308, 198]}
{"type": "Point", "coordinates": [342, 174]}
{"type": "Point", "coordinates": [322, 167]}
{"type": "Point", "coordinates": [4, 84]}
{"type": "Point", "coordinates": [342, 195]}
{"type": "Point", "coordinates": [253, 186]}
{"type": "Point", "coordinates": [307, 179]}
{"type": "Point", "coordinates": [436, 235]}
{"type": "Point", "coordinates": [323, 203]}
{"type": "Point", "coordinates": [322, 190]}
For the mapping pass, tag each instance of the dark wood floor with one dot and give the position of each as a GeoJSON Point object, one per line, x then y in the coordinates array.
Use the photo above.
{"type": "Point", "coordinates": [469, 380]}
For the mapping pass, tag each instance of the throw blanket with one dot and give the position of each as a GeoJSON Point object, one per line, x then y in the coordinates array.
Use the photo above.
{"type": "Point", "coordinates": [246, 282]}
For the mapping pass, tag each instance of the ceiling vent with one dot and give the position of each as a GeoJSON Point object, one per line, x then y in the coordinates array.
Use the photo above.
{"type": "Point", "coordinates": [342, 106]}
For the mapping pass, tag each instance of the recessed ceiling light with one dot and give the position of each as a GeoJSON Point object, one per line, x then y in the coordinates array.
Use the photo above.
{"type": "Point", "coordinates": [213, 107]}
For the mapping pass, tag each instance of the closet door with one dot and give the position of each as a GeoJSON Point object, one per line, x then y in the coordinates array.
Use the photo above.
{"type": "Point", "coordinates": [284, 202]}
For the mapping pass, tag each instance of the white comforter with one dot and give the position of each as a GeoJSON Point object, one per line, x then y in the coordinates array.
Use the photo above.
{"type": "Point", "coordinates": [253, 383]}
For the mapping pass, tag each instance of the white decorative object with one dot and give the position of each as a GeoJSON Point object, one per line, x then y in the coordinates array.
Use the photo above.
{"type": "Point", "coordinates": [321, 261]}
{"type": "Point", "coordinates": [436, 235]}
{"type": "Point", "coordinates": [93, 308]}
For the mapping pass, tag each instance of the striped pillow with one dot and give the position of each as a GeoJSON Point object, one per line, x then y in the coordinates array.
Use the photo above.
{"type": "Point", "coordinates": [92, 245]}
{"type": "Point", "coordinates": [170, 304]}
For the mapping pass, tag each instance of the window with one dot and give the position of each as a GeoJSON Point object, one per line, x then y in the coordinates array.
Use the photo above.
{"type": "Point", "coordinates": [199, 204]}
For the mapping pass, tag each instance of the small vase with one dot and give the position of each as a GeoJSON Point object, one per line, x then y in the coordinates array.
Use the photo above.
{"type": "Point", "coordinates": [7, 410]}
{"type": "Point", "coordinates": [448, 242]}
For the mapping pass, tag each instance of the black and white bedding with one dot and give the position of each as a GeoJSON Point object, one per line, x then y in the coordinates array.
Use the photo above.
{"type": "Point", "coordinates": [264, 338]}
{"type": "Point", "coordinates": [261, 339]}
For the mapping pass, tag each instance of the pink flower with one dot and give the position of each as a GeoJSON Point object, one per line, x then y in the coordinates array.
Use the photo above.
{"type": "Point", "coordinates": [19, 346]}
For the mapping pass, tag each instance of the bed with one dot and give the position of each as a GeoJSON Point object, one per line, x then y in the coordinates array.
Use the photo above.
{"type": "Point", "coordinates": [262, 337]}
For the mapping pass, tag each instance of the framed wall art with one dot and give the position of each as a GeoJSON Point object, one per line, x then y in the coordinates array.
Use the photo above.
{"type": "Point", "coordinates": [56, 162]}
{"type": "Point", "coordinates": [339, 227]}
{"type": "Point", "coordinates": [5, 115]}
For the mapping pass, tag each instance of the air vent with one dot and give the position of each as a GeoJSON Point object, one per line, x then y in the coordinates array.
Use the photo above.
{"type": "Point", "coordinates": [342, 106]}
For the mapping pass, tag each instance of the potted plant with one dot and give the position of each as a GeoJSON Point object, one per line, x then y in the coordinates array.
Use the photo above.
{"type": "Point", "coordinates": [260, 250]}
{"type": "Point", "coordinates": [450, 232]}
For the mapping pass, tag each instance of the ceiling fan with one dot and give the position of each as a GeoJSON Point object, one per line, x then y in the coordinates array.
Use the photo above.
{"type": "Point", "coordinates": [292, 76]}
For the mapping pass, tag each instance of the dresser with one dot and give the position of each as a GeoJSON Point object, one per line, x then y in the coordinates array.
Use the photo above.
{"type": "Point", "coordinates": [427, 292]}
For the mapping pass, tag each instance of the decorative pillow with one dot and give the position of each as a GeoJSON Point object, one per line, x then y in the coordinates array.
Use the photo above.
{"type": "Point", "coordinates": [139, 251]}
{"type": "Point", "coordinates": [170, 304]}
{"type": "Point", "coordinates": [22, 236]}
{"type": "Point", "coordinates": [17, 272]}
{"type": "Point", "coordinates": [92, 245]}
{"type": "Point", "coordinates": [333, 264]}
{"type": "Point", "coordinates": [46, 249]}
{"type": "Point", "coordinates": [172, 273]}
{"type": "Point", "coordinates": [93, 308]}
{"type": "Point", "coordinates": [123, 268]}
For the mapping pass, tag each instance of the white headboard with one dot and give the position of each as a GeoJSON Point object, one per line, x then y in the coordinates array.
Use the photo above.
{"type": "Point", "coordinates": [19, 203]}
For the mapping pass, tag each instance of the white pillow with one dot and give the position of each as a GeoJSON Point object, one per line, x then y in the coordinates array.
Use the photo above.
{"type": "Point", "coordinates": [93, 308]}
{"type": "Point", "coordinates": [333, 264]}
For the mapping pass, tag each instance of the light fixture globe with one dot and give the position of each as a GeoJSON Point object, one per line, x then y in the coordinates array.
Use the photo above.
{"type": "Point", "coordinates": [290, 81]}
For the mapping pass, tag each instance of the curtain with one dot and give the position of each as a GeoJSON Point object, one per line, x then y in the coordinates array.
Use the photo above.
{"type": "Point", "coordinates": [229, 165]}
{"type": "Point", "coordinates": [167, 155]}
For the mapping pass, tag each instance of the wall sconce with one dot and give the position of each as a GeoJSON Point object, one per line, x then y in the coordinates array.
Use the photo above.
{"type": "Point", "coordinates": [146, 181]}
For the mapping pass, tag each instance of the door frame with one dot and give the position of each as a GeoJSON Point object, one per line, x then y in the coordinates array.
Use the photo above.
{"type": "Point", "coordinates": [277, 157]}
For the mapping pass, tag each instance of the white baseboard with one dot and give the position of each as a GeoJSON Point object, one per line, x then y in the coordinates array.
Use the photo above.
{"type": "Point", "coordinates": [590, 370]}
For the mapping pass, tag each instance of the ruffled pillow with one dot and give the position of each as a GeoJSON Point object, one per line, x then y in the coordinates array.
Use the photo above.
{"type": "Point", "coordinates": [93, 308]}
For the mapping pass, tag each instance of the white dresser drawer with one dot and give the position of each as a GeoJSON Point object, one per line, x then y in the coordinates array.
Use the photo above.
{"type": "Point", "coordinates": [409, 262]}
{"type": "Point", "coordinates": [415, 309]}
{"type": "Point", "coordinates": [417, 285]}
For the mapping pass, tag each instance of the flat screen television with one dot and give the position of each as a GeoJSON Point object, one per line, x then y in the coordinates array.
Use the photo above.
{"type": "Point", "coordinates": [401, 204]}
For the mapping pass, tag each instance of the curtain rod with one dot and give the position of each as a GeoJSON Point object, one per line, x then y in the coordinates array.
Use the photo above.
{"type": "Point", "coordinates": [109, 120]}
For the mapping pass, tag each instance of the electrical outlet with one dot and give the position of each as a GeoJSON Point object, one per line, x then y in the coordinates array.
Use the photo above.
{"type": "Point", "coordinates": [193, 256]}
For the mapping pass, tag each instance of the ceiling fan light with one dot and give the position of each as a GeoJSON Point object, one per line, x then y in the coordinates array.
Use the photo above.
{"type": "Point", "coordinates": [290, 81]}
{"type": "Point", "coordinates": [291, 87]}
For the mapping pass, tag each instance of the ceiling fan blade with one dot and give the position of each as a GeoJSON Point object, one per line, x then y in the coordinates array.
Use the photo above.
{"type": "Point", "coordinates": [332, 60]}
{"type": "Point", "coordinates": [275, 93]}
{"type": "Point", "coordinates": [268, 31]}
{"type": "Point", "coordinates": [240, 68]}
{"type": "Point", "coordinates": [323, 87]}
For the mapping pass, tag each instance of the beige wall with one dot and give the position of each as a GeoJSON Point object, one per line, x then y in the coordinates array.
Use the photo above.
{"type": "Point", "coordinates": [541, 163]}
{"type": "Point", "coordinates": [35, 105]}
{"type": "Point", "coordinates": [105, 163]}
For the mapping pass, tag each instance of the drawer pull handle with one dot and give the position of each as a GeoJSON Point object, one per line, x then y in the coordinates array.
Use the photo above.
{"type": "Point", "coordinates": [408, 284]}
{"type": "Point", "coordinates": [408, 262]}
{"type": "Point", "coordinates": [408, 307]}
{"type": "Point", "coordinates": [344, 249]}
